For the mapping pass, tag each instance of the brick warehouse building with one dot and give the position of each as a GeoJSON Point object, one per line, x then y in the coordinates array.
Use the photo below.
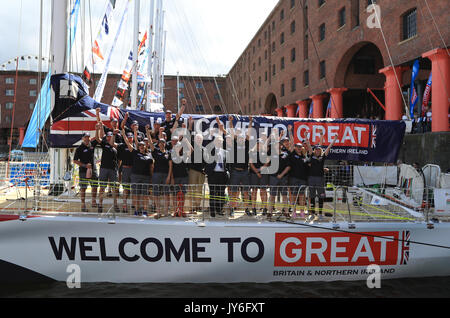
{"type": "Point", "coordinates": [307, 50]}
{"type": "Point", "coordinates": [310, 50]}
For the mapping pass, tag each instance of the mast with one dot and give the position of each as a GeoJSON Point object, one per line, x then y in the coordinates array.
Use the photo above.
{"type": "Point", "coordinates": [150, 49]}
{"type": "Point", "coordinates": [156, 47]}
{"type": "Point", "coordinates": [135, 54]}
{"type": "Point", "coordinates": [59, 64]}
{"type": "Point", "coordinates": [162, 67]}
{"type": "Point", "coordinates": [160, 51]}
{"type": "Point", "coordinates": [178, 91]}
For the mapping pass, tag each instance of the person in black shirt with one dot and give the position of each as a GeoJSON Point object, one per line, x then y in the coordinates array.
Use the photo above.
{"type": "Point", "coordinates": [259, 179]}
{"type": "Point", "coordinates": [316, 180]}
{"type": "Point", "coordinates": [196, 169]}
{"type": "Point", "coordinates": [134, 127]}
{"type": "Point", "coordinates": [140, 175]}
{"type": "Point", "coordinates": [162, 172]}
{"type": "Point", "coordinates": [84, 158]}
{"type": "Point", "coordinates": [169, 122]}
{"type": "Point", "coordinates": [114, 127]}
{"type": "Point", "coordinates": [109, 166]}
{"type": "Point", "coordinates": [239, 175]}
{"type": "Point", "coordinates": [217, 170]}
{"type": "Point", "coordinates": [298, 175]}
{"type": "Point", "coordinates": [126, 158]}
{"type": "Point", "coordinates": [279, 180]}
{"type": "Point", "coordinates": [180, 160]}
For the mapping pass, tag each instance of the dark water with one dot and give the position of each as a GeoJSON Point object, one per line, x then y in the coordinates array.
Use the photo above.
{"type": "Point", "coordinates": [399, 288]}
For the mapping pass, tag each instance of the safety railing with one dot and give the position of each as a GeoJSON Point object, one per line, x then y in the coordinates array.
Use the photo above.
{"type": "Point", "coordinates": [298, 203]}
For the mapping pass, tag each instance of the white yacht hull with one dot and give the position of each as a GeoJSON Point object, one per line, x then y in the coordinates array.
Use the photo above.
{"type": "Point", "coordinates": [132, 250]}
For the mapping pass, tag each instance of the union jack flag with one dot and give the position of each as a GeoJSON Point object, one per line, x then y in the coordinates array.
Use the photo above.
{"type": "Point", "coordinates": [71, 129]}
{"type": "Point", "coordinates": [406, 237]}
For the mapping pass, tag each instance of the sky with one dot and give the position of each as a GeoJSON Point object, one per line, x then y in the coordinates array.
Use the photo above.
{"type": "Point", "coordinates": [204, 37]}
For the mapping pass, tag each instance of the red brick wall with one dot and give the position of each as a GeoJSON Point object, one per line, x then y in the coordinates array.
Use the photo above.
{"type": "Point", "coordinates": [337, 49]}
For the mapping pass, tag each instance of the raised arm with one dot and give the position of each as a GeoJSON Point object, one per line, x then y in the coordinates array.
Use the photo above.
{"type": "Point", "coordinates": [99, 132]}
{"type": "Point", "coordinates": [124, 121]}
{"type": "Point", "coordinates": [149, 137]}
{"type": "Point", "coordinates": [327, 151]}
{"type": "Point", "coordinates": [129, 145]}
{"type": "Point", "coordinates": [97, 113]}
{"type": "Point", "coordinates": [221, 128]}
{"type": "Point", "coordinates": [291, 138]}
{"type": "Point", "coordinates": [249, 129]}
{"type": "Point", "coordinates": [182, 108]}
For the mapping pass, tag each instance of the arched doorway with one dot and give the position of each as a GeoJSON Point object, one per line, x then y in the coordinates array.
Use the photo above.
{"type": "Point", "coordinates": [358, 72]}
{"type": "Point", "coordinates": [271, 104]}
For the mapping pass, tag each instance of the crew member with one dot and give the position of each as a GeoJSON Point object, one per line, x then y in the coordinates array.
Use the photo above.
{"type": "Point", "coordinates": [218, 175]}
{"type": "Point", "coordinates": [298, 175]}
{"type": "Point", "coordinates": [140, 175]}
{"type": "Point", "coordinates": [239, 174]}
{"type": "Point", "coordinates": [126, 157]}
{"type": "Point", "coordinates": [259, 178]}
{"type": "Point", "coordinates": [84, 158]}
{"type": "Point", "coordinates": [196, 169]}
{"type": "Point", "coordinates": [180, 159]}
{"type": "Point", "coordinates": [316, 180]}
{"type": "Point", "coordinates": [108, 167]}
{"type": "Point", "coordinates": [162, 171]}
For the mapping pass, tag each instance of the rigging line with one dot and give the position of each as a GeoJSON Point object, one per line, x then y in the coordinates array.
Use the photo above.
{"type": "Point", "coordinates": [189, 98]}
{"type": "Point", "coordinates": [192, 85]}
{"type": "Point", "coordinates": [392, 63]}
{"type": "Point", "coordinates": [187, 37]}
{"type": "Point", "coordinates": [189, 82]}
{"type": "Point", "coordinates": [13, 112]}
{"type": "Point", "coordinates": [431, 46]}
{"type": "Point", "coordinates": [234, 94]}
{"type": "Point", "coordinates": [437, 28]}
{"type": "Point", "coordinates": [187, 76]}
{"type": "Point", "coordinates": [363, 234]}
{"type": "Point", "coordinates": [198, 48]}
{"type": "Point", "coordinates": [39, 80]}
{"type": "Point", "coordinates": [222, 102]}
{"type": "Point", "coordinates": [317, 54]}
{"type": "Point", "coordinates": [91, 43]}
{"type": "Point", "coordinates": [252, 82]}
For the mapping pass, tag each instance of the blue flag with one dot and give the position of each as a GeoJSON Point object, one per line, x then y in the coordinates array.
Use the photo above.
{"type": "Point", "coordinates": [329, 109]}
{"type": "Point", "coordinates": [311, 110]}
{"type": "Point", "coordinates": [413, 95]}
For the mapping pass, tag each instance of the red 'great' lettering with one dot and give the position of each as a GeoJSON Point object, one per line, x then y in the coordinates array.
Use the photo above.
{"type": "Point", "coordinates": [336, 249]}
{"type": "Point", "coordinates": [349, 135]}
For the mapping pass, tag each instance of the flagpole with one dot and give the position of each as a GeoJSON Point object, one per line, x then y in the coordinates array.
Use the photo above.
{"type": "Point", "coordinates": [160, 60]}
{"type": "Point", "coordinates": [156, 47]}
{"type": "Point", "coordinates": [135, 54]}
{"type": "Point", "coordinates": [178, 91]}
{"type": "Point", "coordinates": [150, 48]}
{"type": "Point", "coordinates": [58, 157]}
{"type": "Point", "coordinates": [163, 67]}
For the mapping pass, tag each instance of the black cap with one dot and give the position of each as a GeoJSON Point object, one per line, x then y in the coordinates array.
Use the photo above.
{"type": "Point", "coordinates": [86, 135]}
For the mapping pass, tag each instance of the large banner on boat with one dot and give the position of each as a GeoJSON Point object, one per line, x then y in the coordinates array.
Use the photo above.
{"type": "Point", "coordinates": [357, 139]}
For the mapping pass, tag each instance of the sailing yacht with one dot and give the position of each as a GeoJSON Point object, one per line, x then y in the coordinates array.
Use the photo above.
{"type": "Point", "coordinates": [389, 227]}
